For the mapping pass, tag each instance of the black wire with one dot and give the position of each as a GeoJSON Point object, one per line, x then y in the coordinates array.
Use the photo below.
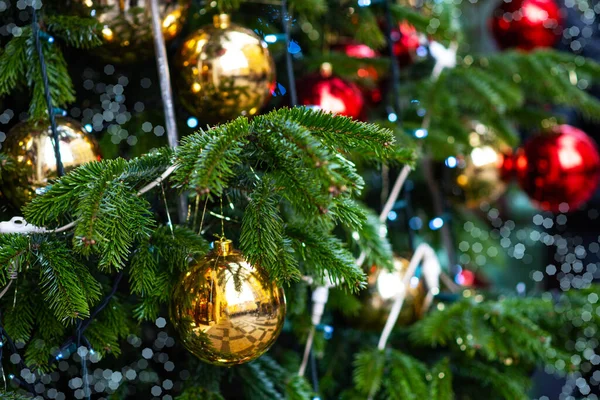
{"type": "Point", "coordinates": [30, 388]}
{"type": "Point", "coordinates": [288, 56]}
{"type": "Point", "coordinates": [38, 45]}
{"type": "Point", "coordinates": [82, 326]}
{"type": "Point", "coordinates": [313, 372]}
{"type": "Point", "coordinates": [394, 65]}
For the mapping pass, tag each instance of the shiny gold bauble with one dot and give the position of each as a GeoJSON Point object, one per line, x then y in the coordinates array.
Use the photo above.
{"type": "Point", "coordinates": [127, 26]}
{"type": "Point", "coordinates": [382, 288]}
{"type": "Point", "coordinates": [30, 144]}
{"type": "Point", "coordinates": [224, 71]}
{"type": "Point", "coordinates": [478, 173]}
{"type": "Point", "coordinates": [225, 310]}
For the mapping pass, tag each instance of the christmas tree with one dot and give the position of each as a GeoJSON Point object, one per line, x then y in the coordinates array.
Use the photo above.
{"type": "Point", "coordinates": [386, 185]}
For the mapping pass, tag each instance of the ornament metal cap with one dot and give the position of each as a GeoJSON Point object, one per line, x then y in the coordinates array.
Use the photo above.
{"type": "Point", "coordinates": [223, 247]}
{"type": "Point", "coordinates": [222, 21]}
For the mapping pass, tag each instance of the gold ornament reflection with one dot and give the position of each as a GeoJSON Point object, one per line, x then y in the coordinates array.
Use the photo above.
{"type": "Point", "coordinates": [225, 71]}
{"type": "Point", "coordinates": [382, 288]}
{"type": "Point", "coordinates": [225, 310]}
{"type": "Point", "coordinates": [31, 145]}
{"type": "Point", "coordinates": [127, 26]}
{"type": "Point", "coordinates": [478, 175]}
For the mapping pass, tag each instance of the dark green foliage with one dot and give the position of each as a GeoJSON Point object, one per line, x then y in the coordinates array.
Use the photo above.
{"type": "Point", "coordinates": [504, 383]}
{"type": "Point", "coordinates": [472, 327]}
{"type": "Point", "coordinates": [14, 254]}
{"type": "Point", "coordinates": [496, 88]}
{"type": "Point", "coordinates": [265, 379]}
{"type": "Point", "coordinates": [13, 396]}
{"type": "Point", "coordinates": [308, 7]}
{"type": "Point", "coordinates": [157, 263]}
{"type": "Point", "coordinates": [372, 239]}
{"type": "Point", "coordinates": [13, 60]}
{"type": "Point", "coordinates": [20, 64]}
{"type": "Point", "coordinates": [368, 30]}
{"type": "Point", "coordinates": [405, 379]}
{"type": "Point", "coordinates": [75, 31]}
{"type": "Point", "coordinates": [368, 371]}
{"type": "Point", "coordinates": [48, 335]}
{"type": "Point", "coordinates": [263, 236]}
{"type": "Point", "coordinates": [326, 256]}
{"type": "Point", "coordinates": [19, 316]}
{"type": "Point", "coordinates": [195, 392]}
{"type": "Point", "coordinates": [66, 283]}
{"type": "Point", "coordinates": [206, 159]}
{"type": "Point", "coordinates": [349, 136]}
{"type": "Point", "coordinates": [111, 326]}
{"type": "Point", "coordinates": [440, 377]}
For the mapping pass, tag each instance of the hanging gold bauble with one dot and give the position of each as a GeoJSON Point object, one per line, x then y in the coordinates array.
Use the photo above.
{"type": "Point", "coordinates": [224, 71]}
{"type": "Point", "coordinates": [225, 310]}
{"type": "Point", "coordinates": [127, 26]}
{"type": "Point", "coordinates": [478, 174]}
{"type": "Point", "coordinates": [31, 146]}
{"type": "Point", "coordinates": [382, 288]}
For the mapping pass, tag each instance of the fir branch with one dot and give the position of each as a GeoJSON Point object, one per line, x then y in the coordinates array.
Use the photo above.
{"type": "Point", "coordinates": [406, 377]}
{"type": "Point", "coordinates": [372, 239]}
{"type": "Point", "coordinates": [308, 7]}
{"type": "Point", "coordinates": [176, 245]}
{"type": "Point", "coordinates": [326, 256]}
{"type": "Point", "coordinates": [292, 386]}
{"type": "Point", "coordinates": [66, 284]}
{"type": "Point", "coordinates": [13, 62]}
{"type": "Point", "coordinates": [143, 269]}
{"type": "Point", "coordinates": [49, 331]}
{"type": "Point", "coordinates": [368, 371]}
{"type": "Point", "coordinates": [263, 239]}
{"type": "Point", "coordinates": [368, 31]}
{"type": "Point", "coordinates": [345, 134]}
{"type": "Point", "coordinates": [76, 31]}
{"type": "Point", "coordinates": [145, 169]}
{"type": "Point", "coordinates": [14, 252]}
{"type": "Point", "coordinates": [506, 384]}
{"type": "Point", "coordinates": [110, 327]}
{"type": "Point", "coordinates": [197, 392]}
{"type": "Point", "coordinates": [440, 385]}
{"type": "Point", "coordinates": [257, 384]}
{"type": "Point", "coordinates": [206, 159]}
{"type": "Point", "coordinates": [19, 322]}
{"type": "Point", "coordinates": [60, 84]}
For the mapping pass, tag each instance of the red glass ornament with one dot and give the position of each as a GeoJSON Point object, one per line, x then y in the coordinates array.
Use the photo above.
{"type": "Point", "coordinates": [506, 164]}
{"type": "Point", "coordinates": [560, 167]}
{"type": "Point", "coordinates": [527, 24]}
{"type": "Point", "coordinates": [406, 41]}
{"type": "Point", "coordinates": [465, 278]}
{"type": "Point", "coordinates": [331, 93]}
{"type": "Point", "coordinates": [366, 72]}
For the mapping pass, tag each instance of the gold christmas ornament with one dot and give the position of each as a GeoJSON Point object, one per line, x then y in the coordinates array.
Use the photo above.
{"type": "Point", "coordinates": [478, 174]}
{"type": "Point", "coordinates": [225, 310]}
{"type": "Point", "coordinates": [127, 26]}
{"type": "Point", "coordinates": [225, 71]}
{"type": "Point", "coordinates": [31, 146]}
{"type": "Point", "coordinates": [382, 288]}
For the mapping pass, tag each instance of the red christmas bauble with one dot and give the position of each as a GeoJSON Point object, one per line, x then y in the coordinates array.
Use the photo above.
{"type": "Point", "coordinates": [526, 24]}
{"type": "Point", "coordinates": [366, 72]}
{"type": "Point", "coordinates": [405, 43]}
{"type": "Point", "coordinates": [506, 163]}
{"type": "Point", "coordinates": [331, 93]}
{"type": "Point", "coordinates": [559, 167]}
